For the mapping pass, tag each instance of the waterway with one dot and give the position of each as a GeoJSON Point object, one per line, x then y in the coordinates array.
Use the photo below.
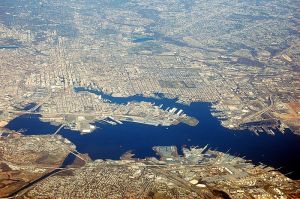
{"type": "Point", "coordinates": [158, 99]}
{"type": "Point", "coordinates": [142, 39]}
{"type": "Point", "coordinates": [110, 142]}
{"type": "Point", "coordinates": [9, 47]}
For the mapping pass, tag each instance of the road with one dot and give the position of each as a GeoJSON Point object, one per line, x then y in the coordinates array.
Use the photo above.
{"type": "Point", "coordinates": [247, 119]}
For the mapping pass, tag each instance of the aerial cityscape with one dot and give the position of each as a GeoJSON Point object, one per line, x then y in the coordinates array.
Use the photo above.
{"type": "Point", "coordinates": [149, 99]}
{"type": "Point", "coordinates": [199, 173]}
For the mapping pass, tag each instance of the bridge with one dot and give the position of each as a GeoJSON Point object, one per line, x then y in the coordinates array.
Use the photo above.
{"type": "Point", "coordinates": [33, 109]}
{"type": "Point", "coordinates": [61, 126]}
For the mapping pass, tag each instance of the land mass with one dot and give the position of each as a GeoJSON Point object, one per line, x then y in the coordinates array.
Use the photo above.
{"type": "Point", "coordinates": [240, 56]}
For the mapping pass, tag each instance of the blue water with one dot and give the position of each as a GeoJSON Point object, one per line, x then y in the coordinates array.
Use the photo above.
{"type": "Point", "coordinates": [158, 99]}
{"type": "Point", "coordinates": [9, 47]}
{"type": "Point", "coordinates": [142, 39]}
{"type": "Point", "coordinates": [29, 106]}
{"type": "Point", "coordinates": [110, 142]}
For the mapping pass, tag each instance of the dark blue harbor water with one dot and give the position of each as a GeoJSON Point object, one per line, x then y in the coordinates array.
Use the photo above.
{"type": "Point", "coordinates": [29, 106]}
{"type": "Point", "coordinates": [110, 142]}
{"type": "Point", "coordinates": [158, 99]}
